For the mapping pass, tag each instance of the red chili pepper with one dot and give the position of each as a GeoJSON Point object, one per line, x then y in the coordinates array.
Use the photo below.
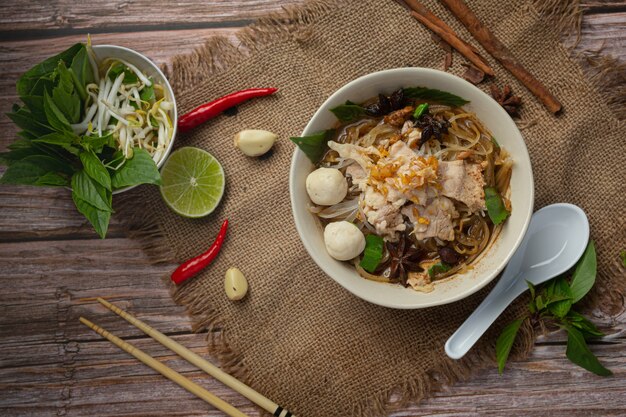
{"type": "Point", "coordinates": [211, 109]}
{"type": "Point", "coordinates": [197, 264]}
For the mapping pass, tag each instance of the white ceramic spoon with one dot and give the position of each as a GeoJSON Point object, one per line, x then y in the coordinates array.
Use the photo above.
{"type": "Point", "coordinates": [556, 238]}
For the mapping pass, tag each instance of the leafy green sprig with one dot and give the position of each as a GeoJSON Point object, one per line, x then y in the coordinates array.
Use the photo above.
{"type": "Point", "coordinates": [551, 305]}
{"type": "Point", "coordinates": [49, 151]}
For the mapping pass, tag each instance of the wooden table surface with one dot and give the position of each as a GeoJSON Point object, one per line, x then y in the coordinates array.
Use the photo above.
{"type": "Point", "coordinates": [53, 265]}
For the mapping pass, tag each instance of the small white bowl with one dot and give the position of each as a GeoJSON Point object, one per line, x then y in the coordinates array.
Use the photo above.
{"type": "Point", "coordinates": [495, 257]}
{"type": "Point", "coordinates": [150, 69]}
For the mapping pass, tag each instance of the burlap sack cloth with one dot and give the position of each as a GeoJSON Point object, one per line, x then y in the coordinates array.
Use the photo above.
{"type": "Point", "coordinates": [298, 337]}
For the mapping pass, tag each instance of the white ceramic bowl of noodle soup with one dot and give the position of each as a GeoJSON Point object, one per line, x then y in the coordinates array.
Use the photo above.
{"type": "Point", "coordinates": [495, 257]}
{"type": "Point", "coordinates": [149, 68]}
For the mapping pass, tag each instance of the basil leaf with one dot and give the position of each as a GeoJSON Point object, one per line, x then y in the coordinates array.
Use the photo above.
{"type": "Point", "coordinates": [52, 179]}
{"type": "Point", "coordinates": [96, 143]}
{"type": "Point", "coordinates": [579, 353]}
{"type": "Point", "coordinates": [99, 219]}
{"type": "Point", "coordinates": [585, 273]}
{"type": "Point", "coordinates": [55, 117]}
{"type": "Point", "coordinates": [419, 110]}
{"type": "Point", "coordinates": [348, 112]}
{"type": "Point", "coordinates": [88, 190]}
{"type": "Point", "coordinates": [19, 153]}
{"type": "Point", "coordinates": [587, 328]}
{"type": "Point", "coordinates": [495, 206]}
{"type": "Point", "coordinates": [441, 97]}
{"type": "Point", "coordinates": [28, 81]}
{"type": "Point", "coordinates": [31, 169]}
{"type": "Point", "coordinates": [35, 107]}
{"type": "Point", "coordinates": [147, 94]}
{"type": "Point", "coordinates": [373, 253]}
{"type": "Point", "coordinates": [28, 122]}
{"type": "Point", "coordinates": [140, 169]}
{"type": "Point", "coordinates": [438, 268]}
{"type": "Point", "coordinates": [505, 343]}
{"type": "Point", "coordinates": [64, 96]}
{"type": "Point", "coordinates": [95, 169]}
{"type": "Point", "coordinates": [560, 301]}
{"type": "Point", "coordinates": [65, 140]}
{"type": "Point", "coordinates": [314, 146]}
{"type": "Point", "coordinates": [82, 72]}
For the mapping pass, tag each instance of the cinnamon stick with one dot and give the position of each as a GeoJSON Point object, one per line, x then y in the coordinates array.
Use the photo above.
{"type": "Point", "coordinates": [418, 7]}
{"type": "Point", "coordinates": [454, 41]}
{"type": "Point", "coordinates": [500, 52]}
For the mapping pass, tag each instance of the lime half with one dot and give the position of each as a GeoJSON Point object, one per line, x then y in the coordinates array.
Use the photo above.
{"type": "Point", "coordinates": [192, 182]}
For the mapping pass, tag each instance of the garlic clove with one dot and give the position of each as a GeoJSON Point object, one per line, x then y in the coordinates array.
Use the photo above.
{"type": "Point", "coordinates": [235, 284]}
{"type": "Point", "coordinates": [255, 142]}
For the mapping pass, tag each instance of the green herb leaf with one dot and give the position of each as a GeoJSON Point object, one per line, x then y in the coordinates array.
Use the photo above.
{"type": "Point", "coordinates": [99, 219]}
{"type": "Point", "coordinates": [495, 206]}
{"type": "Point", "coordinates": [52, 179]}
{"type": "Point", "coordinates": [31, 169]}
{"type": "Point", "coordinates": [55, 117]}
{"type": "Point", "coordinates": [348, 112]}
{"type": "Point", "coordinates": [560, 301]}
{"type": "Point", "coordinates": [96, 143]}
{"type": "Point", "coordinates": [438, 268]}
{"type": "Point", "coordinates": [35, 107]}
{"type": "Point", "coordinates": [27, 82]}
{"type": "Point", "coordinates": [441, 97]}
{"type": "Point", "coordinates": [622, 256]}
{"type": "Point", "coordinates": [587, 328]}
{"type": "Point", "coordinates": [585, 273]}
{"type": "Point", "coordinates": [95, 169]}
{"type": "Point", "coordinates": [27, 121]}
{"type": "Point", "coordinates": [579, 353]}
{"type": "Point", "coordinates": [532, 289]}
{"type": "Point", "coordinates": [129, 76]}
{"type": "Point", "coordinates": [82, 72]}
{"type": "Point", "coordinates": [539, 303]}
{"type": "Point", "coordinates": [147, 94]}
{"type": "Point", "coordinates": [88, 190]}
{"type": "Point", "coordinates": [314, 146]}
{"type": "Point", "coordinates": [67, 101]}
{"type": "Point", "coordinates": [495, 142]}
{"type": "Point", "coordinates": [64, 140]}
{"type": "Point", "coordinates": [505, 343]}
{"type": "Point", "coordinates": [373, 253]}
{"type": "Point", "coordinates": [140, 169]}
{"type": "Point", "coordinates": [419, 110]}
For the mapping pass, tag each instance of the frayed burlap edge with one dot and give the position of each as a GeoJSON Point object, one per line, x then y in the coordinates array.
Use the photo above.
{"type": "Point", "coordinates": [220, 53]}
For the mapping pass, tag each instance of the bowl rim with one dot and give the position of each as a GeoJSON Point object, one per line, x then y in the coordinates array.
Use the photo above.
{"type": "Point", "coordinates": [492, 274]}
{"type": "Point", "coordinates": [154, 67]}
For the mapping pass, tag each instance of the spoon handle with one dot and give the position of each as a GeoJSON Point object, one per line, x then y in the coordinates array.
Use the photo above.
{"type": "Point", "coordinates": [503, 294]}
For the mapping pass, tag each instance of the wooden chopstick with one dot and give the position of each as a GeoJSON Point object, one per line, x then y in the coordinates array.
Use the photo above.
{"type": "Point", "coordinates": [169, 373]}
{"type": "Point", "coordinates": [201, 363]}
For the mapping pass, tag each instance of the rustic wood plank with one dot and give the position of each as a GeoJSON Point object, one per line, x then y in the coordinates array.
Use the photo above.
{"type": "Point", "coordinates": [27, 19]}
{"type": "Point", "coordinates": [127, 16]}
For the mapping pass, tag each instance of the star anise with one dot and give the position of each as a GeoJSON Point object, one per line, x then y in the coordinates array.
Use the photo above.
{"type": "Point", "coordinates": [431, 126]}
{"type": "Point", "coordinates": [403, 257]}
{"type": "Point", "coordinates": [385, 104]}
{"type": "Point", "coordinates": [506, 99]}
